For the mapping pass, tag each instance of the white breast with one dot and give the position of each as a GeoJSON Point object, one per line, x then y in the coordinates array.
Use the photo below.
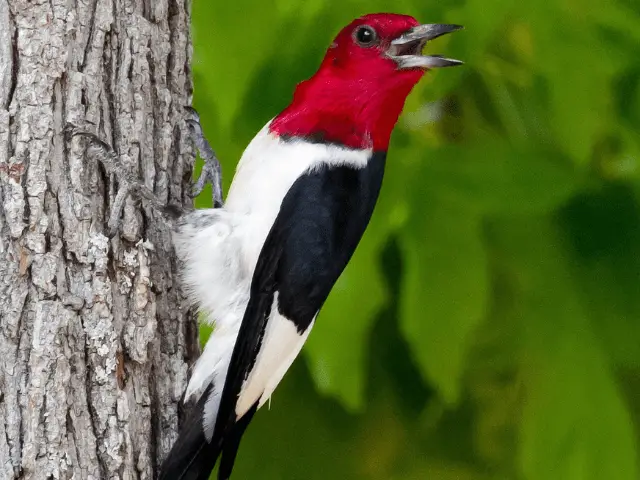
{"type": "Point", "coordinates": [266, 172]}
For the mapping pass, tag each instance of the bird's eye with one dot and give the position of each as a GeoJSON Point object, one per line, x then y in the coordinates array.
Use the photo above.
{"type": "Point", "coordinates": [365, 36]}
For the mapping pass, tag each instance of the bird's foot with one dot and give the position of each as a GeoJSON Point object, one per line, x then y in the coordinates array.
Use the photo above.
{"type": "Point", "coordinates": [128, 183]}
{"type": "Point", "coordinates": [211, 170]}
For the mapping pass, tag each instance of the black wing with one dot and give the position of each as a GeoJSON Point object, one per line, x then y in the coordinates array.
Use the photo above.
{"type": "Point", "coordinates": [320, 223]}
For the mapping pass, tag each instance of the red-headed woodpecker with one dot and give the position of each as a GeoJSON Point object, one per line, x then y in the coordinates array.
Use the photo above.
{"type": "Point", "coordinates": [305, 188]}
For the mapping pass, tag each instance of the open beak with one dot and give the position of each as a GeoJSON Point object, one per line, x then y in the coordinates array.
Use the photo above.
{"type": "Point", "coordinates": [406, 50]}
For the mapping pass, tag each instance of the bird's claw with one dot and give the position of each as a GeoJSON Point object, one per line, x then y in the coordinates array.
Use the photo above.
{"type": "Point", "coordinates": [127, 182]}
{"type": "Point", "coordinates": [211, 170]}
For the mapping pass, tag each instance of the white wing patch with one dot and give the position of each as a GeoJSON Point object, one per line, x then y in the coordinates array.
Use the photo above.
{"type": "Point", "coordinates": [281, 345]}
{"type": "Point", "coordinates": [278, 375]}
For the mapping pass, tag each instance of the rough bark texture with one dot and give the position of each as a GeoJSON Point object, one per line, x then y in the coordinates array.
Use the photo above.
{"type": "Point", "coordinates": [95, 342]}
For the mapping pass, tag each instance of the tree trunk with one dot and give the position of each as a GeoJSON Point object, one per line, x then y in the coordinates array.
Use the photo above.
{"type": "Point", "coordinates": [95, 340]}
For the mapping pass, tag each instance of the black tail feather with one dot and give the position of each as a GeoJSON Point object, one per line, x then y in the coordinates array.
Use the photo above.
{"type": "Point", "coordinates": [232, 443]}
{"type": "Point", "coordinates": [192, 457]}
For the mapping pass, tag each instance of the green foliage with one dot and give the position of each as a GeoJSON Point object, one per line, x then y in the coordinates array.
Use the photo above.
{"type": "Point", "coordinates": [445, 278]}
{"type": "Point", "coordinates": [488, 326]}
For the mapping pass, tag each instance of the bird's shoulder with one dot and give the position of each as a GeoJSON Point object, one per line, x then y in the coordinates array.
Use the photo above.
{"type": "Point", "coordinates": [300, 152]}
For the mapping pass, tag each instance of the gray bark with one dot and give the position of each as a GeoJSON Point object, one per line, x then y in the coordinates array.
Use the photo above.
{"type": "Point", "coordinates": [95, 339]}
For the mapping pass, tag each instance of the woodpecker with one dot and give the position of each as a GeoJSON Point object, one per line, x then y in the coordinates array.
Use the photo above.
{"type": "Point", "coordinates": [262, 265]}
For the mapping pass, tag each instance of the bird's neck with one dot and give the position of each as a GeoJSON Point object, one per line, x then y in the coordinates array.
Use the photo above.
{"type": "Point", "coordinates": [354, 113]}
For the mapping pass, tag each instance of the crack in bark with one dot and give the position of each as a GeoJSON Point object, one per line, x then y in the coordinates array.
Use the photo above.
{"type": "Point", "coordinates": [94, 429]}
{"type": "Point", "coordinates": [15, 66]}
{"type": "Point", "coordinates": [92, 23]}
{"type": "Point", "coordinates": [108, 80]}
{"type": "Point", "coordinates": [154, 408]}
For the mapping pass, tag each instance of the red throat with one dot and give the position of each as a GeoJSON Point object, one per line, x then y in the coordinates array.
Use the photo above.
{"type": "Point", "coordinates": [358, 93]}
{"type": "Point", "coordinates": [354, 114]}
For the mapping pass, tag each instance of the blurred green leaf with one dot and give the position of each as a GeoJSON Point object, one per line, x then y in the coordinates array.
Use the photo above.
{"type": "Point", "coordinates": [603, 229]}
{"type": "Point", "coordinates": [495, 178]}
{"type": "Point", "coordinates": [573, 408]}
{"type": "Point", "coordinates": [572, 415]}
{"type": "Point", "coordinates": [580, 100]}
{"type": "Point", "coordinates": [233, 50]}
{"type": "Point", "coordinates": [444, 294]}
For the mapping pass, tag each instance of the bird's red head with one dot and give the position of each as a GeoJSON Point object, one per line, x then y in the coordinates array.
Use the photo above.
{"type": "Point", "coordinates": [356, 96]}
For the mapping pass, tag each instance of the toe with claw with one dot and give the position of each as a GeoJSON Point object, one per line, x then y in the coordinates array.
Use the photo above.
{"type": "Point", "coordinates": [128, 183]}
{"type": "Point", "coordinates": [211, 170]}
